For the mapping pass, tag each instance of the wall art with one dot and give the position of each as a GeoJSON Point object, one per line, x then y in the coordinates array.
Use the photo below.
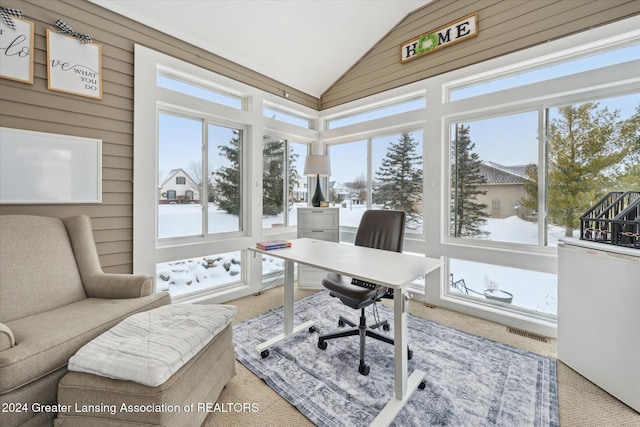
{"type": "Point", "coordinates": [74, 66]}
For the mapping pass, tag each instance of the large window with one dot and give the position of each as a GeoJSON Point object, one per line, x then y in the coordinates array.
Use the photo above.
{"type": "Point", "coordinates": [524, 165]}
{"type": "Point", "coordinates": [349, 180]}
{"type": "Point", "coordinates": [489, 191]}
{"type": "Point", "coordinates": [179, 160]}
{"type": "Point", "coordinates": [284, 186]}
{"type": "Point", "coordinates": [200, 174]}
{"type": "Point", "coordinates": [185, 205]}
{"type": "Point", "coordinates": [225, 168]}
{"type": "Point", "coordinates": [383, 172]}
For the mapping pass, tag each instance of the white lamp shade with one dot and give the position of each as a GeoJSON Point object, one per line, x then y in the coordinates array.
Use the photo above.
{"type": "Point", "coordinates": [317, 165]}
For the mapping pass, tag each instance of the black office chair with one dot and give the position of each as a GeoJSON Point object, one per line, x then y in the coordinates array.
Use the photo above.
{"type": "Point", "coordinates": [379, 229]}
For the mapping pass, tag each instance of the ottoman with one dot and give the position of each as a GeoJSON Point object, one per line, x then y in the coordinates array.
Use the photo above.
{"type": "Point", "coordinates": [88, 399]}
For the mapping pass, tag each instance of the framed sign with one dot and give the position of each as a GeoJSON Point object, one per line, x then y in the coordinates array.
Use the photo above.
{"type": "Point", "coordinates": [74, 67]}
{"type": "Point", "coordinates": [45, 168]}
{"type": "Point", "coordinates": [16, 51]}
{"type": "Point", "coordinates": [447, 35]}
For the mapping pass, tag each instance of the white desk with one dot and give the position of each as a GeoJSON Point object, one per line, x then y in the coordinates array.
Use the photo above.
{"type": "Point", "coordinates": [392, 269]}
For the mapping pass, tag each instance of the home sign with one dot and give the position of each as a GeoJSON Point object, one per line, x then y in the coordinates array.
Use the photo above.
{"type": "Point", "coordinates": [450, 34]}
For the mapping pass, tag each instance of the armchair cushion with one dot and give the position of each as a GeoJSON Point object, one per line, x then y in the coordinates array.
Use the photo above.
{"type": "Point", "coordinates": [37, 267]}
{"type": "Point", "coordinates": [46, 341]}
{"type": "Point", "coordinates": [7, 340]}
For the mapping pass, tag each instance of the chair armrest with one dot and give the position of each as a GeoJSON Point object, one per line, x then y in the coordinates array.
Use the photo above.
{"type": "Point", "coordinates": [7, 340]}
{"type": "Point", "coordinates": [109, 285]}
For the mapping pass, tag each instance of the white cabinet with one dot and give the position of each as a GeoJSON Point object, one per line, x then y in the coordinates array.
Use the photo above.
{"type": "Point", "coordinates": [598, 315]}
{"type": "Point", "coordinates": [320, 224]}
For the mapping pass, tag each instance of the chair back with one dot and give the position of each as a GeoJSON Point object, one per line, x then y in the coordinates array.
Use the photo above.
{"type": "Point", "coordinates": [381, 229]}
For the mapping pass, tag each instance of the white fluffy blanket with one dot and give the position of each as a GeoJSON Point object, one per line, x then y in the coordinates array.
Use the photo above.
{"type": "Point", "coordinates": [149, 347]}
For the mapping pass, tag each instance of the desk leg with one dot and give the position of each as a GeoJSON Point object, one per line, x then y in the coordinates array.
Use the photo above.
{"type": "Point", "coordinates": [288, 313]}
{"type": "Point", "coordinates": [404, 385]}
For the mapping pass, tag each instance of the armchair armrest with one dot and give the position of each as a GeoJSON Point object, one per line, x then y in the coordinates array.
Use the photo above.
{"type": "Point", "coordinates": [7, 340]}
{"type": "Point", "coordinates": [109, 285]}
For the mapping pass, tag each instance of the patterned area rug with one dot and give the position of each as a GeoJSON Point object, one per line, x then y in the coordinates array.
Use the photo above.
{"type": "Point", "coordinates": [471, 381]}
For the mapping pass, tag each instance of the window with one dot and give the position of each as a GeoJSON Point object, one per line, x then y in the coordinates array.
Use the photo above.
{"type": "Point", "coordinates": [397, 176]}
{"type": "Point", "coordinates": [199, 91]}
{"type": "Point", "coordinates": [349, 180]}
{"type": "Point", "coordinates": [376, 113]}
{"type": "Point", "coordinates": [379, 173]}
{"type": "Point", "coordinates": [491, 198]}
{"type": "Point", "coordinates": [225, 163]}
{"type": "Point", "coordinates": [179, 153]}
{"type": "Point", "coordinates": [296, 120]}
{"type": "Point", "coordinates": [592, 149]}
{"type": "Point", "coordinates": [198, 274]}
{"type": "Point", "coordinates": [181, 211]}
{"type": "Point", "coordinates": [504, 286]}
{"type": "Point", "coordinates": [563, 67]}
{"type": "Point", "coordinates": [195, 186]}
{"type": "Point", "coordinates": [283, 183]}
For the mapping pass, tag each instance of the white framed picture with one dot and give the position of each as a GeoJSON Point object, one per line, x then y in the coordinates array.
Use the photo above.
{"type": "Point", "coordinates": [74, 67]}
{"type": "Point", "coordinates": [16, 50]}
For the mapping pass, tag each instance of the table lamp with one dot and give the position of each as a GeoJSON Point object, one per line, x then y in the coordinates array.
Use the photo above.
{"type": "Point", "coordinates": [317, 166]}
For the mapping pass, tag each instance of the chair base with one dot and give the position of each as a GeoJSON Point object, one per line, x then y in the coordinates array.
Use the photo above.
{"type": "Point", "coordinates": [363, 331]}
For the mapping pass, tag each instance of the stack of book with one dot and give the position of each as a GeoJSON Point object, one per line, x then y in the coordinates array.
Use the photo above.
{"type": "Point", "coordinates": [273, 244]}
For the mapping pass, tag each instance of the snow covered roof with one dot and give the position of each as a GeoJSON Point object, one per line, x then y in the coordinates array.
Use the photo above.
{"type": "Point", "coordinates": [496, 173]}
{"type": "Point", "coordinates": [167, 176]}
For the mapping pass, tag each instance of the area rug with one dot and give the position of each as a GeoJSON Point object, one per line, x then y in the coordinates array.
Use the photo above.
{"type": "Point", "coordinates": [471, 381]}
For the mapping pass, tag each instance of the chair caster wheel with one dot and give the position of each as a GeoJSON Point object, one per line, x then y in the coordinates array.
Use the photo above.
{"type": "Point", "coordinates": [422, 385]}
{"type": "Point", "coordinates": [322, 345]}
{"type": "Point", "coordinates": [264, 354]}
{"type": "Point", "coordinates": [341, 323]}
{"type": "Point", "coordinates": [409, 354]}
{"type": "Point", "coordinates": [364, 369]}
{"type": "Point", "coordinates": [385, 327]}
{"type": "Point", "coordinates": [312, 329]}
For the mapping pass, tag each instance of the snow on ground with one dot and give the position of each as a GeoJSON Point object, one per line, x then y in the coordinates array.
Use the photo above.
{"type": "Point", "coordinates": [531, 290]}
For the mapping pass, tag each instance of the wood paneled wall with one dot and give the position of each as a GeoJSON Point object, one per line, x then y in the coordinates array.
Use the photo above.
{"type": "Point", "coordinates": [34, 107]}
{"type": "Point", "coordinates": [505, 26]}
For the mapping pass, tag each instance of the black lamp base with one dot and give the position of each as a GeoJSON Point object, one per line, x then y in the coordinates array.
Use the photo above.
{"type": "Point", "coordinates": [317, 196]}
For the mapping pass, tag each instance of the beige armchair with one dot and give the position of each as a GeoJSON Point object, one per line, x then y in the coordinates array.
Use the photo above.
{"type": "Point", "coordinates": [54, 298]}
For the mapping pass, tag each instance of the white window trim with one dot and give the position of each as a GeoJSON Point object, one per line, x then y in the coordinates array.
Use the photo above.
{"type": "Point", "coordinates": [147, 250]}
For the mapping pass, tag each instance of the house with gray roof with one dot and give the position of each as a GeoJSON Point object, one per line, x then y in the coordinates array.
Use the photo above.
{"type": "Point", "coordinates": [504, 190]}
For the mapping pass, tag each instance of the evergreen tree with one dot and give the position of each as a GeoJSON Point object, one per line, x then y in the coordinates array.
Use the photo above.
{"type": "Point", "coordinates": [272, 179]}
{"type": "Point", "coordinates": [400, 177]}
{"type": "Point", "coordinates": [272, 175]}
{"type": "Point", "coordinates": [228, 177]}
{"type": "Point", "coordinates": [467, 214]}
{"type": "Point", "coordinates": [588, 150]}
{"type": "Point", "coordinates": [293, 174]}
{"type": "Point", "coordinates": [530, 183]}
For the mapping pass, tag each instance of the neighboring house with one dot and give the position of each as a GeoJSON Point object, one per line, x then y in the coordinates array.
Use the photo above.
{"type": "Point", "coordinates": [339, 192]}
{"type": "Point", "coordinates": [299, 190]}
{"type": "Point", "coordinates": [505, 190]}
{"type": "Point", "coordinates": [178, 187]}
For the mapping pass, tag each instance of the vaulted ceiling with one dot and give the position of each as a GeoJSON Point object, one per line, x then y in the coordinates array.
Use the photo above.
{"type": "Point", "coordinates": [305, 44]}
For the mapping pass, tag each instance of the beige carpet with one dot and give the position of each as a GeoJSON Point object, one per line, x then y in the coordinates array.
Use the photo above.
{"type": "Point", "coordinates": [582, 404]}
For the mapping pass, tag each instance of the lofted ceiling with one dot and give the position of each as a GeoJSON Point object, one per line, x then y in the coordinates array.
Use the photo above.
{"type": "Point", "coordinates": [305, 44]}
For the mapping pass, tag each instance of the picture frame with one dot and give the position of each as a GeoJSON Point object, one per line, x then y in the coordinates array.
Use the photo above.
{"type": "Point", "coordinates": [16, 50]}
{"type": "Point", "coordinates": [73, 67]}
